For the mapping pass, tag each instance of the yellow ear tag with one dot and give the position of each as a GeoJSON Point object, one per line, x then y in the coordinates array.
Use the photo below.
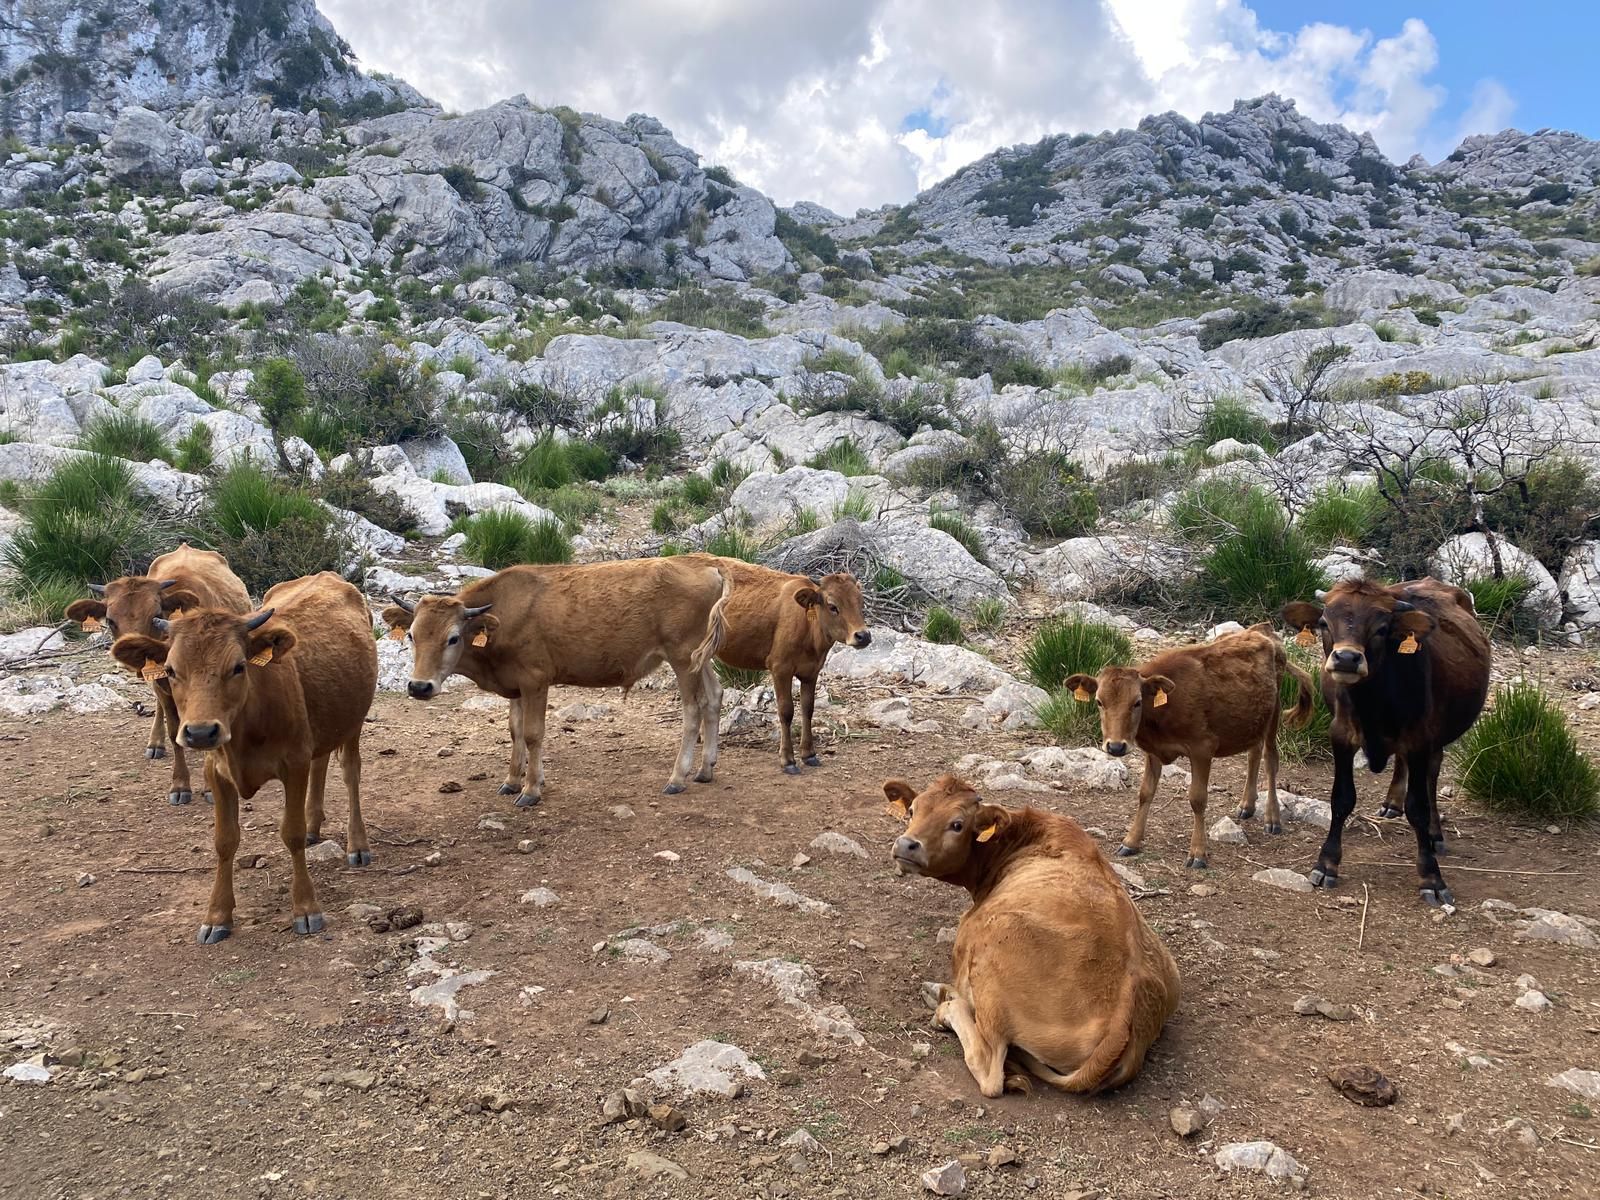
{"type": "Point", "coordinates": [1305, 637]}
{"type": "Point", "coordinates": [397, 633]}
{"type": "Point", "coordinates": [897, 808]}
{"type": "Point", "coordinates": [1409, 644]}
{"type": "Point", "coordinates": [987, 833]}
{"type": "Point", "coordinates": [151, 671]}
{"type": "Point", "coordinates": [1161, 698]}
{"type": "Point", "coordinates": [90, 624]}
{"type": "Point", "coordinates": [482, 639]}
{"type": "Point", "coordinates": [262, 659]}
{"type": "Point", "coordinates": [1081, 693]}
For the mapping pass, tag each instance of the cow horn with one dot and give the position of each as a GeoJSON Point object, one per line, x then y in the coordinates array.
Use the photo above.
{"type": "Point", "coordinates": [478, 612]}
{"type": "Point", "coordinates": [1403, 606]}
{"type": "Point", "coordinates": [166, 583]}
{"type": "Point", "coordinates": [97, 589]}
{"type": "Point", "coordinates": [161, 625]}
{"type": "Point", "coordinates": [1322, 594]}
{"type": "Point", "coordinates": [260, 619]}
{"type": "Point", "coordinates": [408, 605]}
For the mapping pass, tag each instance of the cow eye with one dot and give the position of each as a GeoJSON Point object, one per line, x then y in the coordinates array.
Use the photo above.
{"type": "Point", "coordinates": [1139, 702]}
{"type": "Point", "coordinates": [171, 674]}
{"type": "Point", "coordinates": [238, 668]}
{"type": "Point", "coordinates": [833, 608]}
{"type": "Point", "coordinates": [955, 826]}
{"type": "Point", "coordinates": [1322, 623]}
{"type": "Point", "coordinates": [454, 638]}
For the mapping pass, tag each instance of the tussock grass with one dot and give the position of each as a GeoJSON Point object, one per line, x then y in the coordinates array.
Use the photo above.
{"type": "Point", "coordinates": [1521, 758]}
{"type": "Point", "coordinates": [503, 538]}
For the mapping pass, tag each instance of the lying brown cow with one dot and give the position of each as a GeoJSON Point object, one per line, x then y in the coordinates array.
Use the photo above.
{"type": "Point", "coordinates": [1055, 971]}
{"type": "Point", "coordinates": [787, 624]}
{"type": "Point", "coordinates": [272, 696]}
{"type": "Point", "coordinates": [184, 579]}
{"type": "Point", "coordinates": [592, 625]}
{"type": "Point", "coordinates": [1406, 674]}
{"type": "Point", "coordinates": [1200, 703]}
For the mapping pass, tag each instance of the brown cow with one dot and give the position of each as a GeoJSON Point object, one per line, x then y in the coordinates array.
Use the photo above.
{"type": "Point", "coordinates": [1406, 674]}
{"type": "Point", "coordinates": [184, 579]}
{"type": "Point", "coordinates": [1201, 703]}
{"type": "Point", "coordinates": [603, 624]}
{"type": "Point", "coordinates": [1055, 971]}
{"type": "Point", "coordinates": [272, 695]}
{"type": "Point", "coordinates": [787, 624]}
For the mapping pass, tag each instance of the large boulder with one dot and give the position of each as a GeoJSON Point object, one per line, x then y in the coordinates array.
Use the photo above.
{"type": "Point", "coordinates": [436, 505]}
{"type": "Point", "coordinates": [438, 459]}
{"type": "Point", "coordinates": [1092, 568]}
{"type": "Point", "coordinates": [1366, 291]}
{"type": "Point", "coordinates": [1580, 583]}
{"type": "Point", "coordinates": [144, 147]}
{"type": "Point", "coordinates": [1468, 556]}
{"type": "Point", "coordinates": [931, 561]}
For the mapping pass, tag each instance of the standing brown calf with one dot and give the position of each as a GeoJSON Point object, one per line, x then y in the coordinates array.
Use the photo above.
{"type": "Point", "coordinates": [272, 696]}
{"type": "Point", "coordinates": [184, 579]}
{"type": "Point", "coordinates": [1201, 703]}
{"type": "Point", "coordinates": [787, 624]}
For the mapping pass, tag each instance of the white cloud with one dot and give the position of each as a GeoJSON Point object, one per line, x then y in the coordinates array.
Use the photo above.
{"type": "Point", "coordinates": [816, 100]}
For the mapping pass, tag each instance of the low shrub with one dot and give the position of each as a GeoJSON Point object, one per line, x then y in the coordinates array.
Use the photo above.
{"type": "Point", "coordinates": [988, 615]}
{"type": "Point", "coordinates": [1554, 508]}
{"type": "Point", "coordinates": [548, 464]}
{"type": "Point", "coordinates": [1044, 491]}
{"type": "Point", "coordinates": [844, 456]}
{"type": "Point", "coordinates": [942, 626]}
{"type": "Point", "coordinates": [740, 678]}
{"type": "Point", "coordinates": [1253, 560]}
{"type": "Point", "coordinates": [269, 530]}
{"type": "Point", "coordinates": [125, 435]}
{"type": "Point", "coordinates": [1521, 758]}
{"type": "Point", "coordinates": [349, 488]}
{"type": "Point", "coordinates": [1498, 602]}
{"type": "Point", "coordinates": [1066, 646]}
{"type": "Point", "coordinates": [503, 538]}
{"type": "Point", "coordinates": [958, 528]}
{"type": "Point", "coordinates": [716, 308]}
{"type": "Point", "coordinates": [1228, 417]}
{"type": "Point", "coordinates": [1342, 516]}
{"type": "Point", "coordinates": [195, 450]}
{"type": "Point", "coordinates": [734, 543]}
{"type": "Point", "coordinates": [1310, 742]}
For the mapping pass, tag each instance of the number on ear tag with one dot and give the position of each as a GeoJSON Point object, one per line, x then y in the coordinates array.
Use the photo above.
{"type": "Point", "coordinates": [1081, 693]}
{"type": "Point", "coordinates": [1161, 698]}
{"type": "Point", "coordinates": [90, 624]}
{"type": "Point", "coordinates": [151, 671]}
{"type": "Point", "coordinates": [263, 658]}
{"type": "Point", "coordinates": [898, 809]}
{"type": "Point", "coordinates": [1305, 637]}
{"type": "Point", "coordinates": [482, 639]}
{"type": "Point", "coordinates": [1409, 644]}
{"type": "Point", "coordinates": [987, 833]}
{"type": "Point", "coordinates": [397, 633]}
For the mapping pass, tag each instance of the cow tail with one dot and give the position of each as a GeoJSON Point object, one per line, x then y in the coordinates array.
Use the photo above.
{"type": "Point", "coordinates": [1096, 1071]}
{"type": "Point", "coordinates": [1300, 715]}
{"type": "Point", "coordinates": [716, 626]}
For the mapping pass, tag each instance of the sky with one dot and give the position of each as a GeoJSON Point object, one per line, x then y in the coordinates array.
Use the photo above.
{"type": "Point", "coordinates": [859, 103]}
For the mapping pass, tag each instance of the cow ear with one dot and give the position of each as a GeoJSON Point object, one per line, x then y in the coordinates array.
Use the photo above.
{"type": "Point", "coordinates": [989, 820]}
{"type": "Point", "coordinates": [900, 794]}
{"type": "Point", "coordinates": [1412, 623]}
{"type": "Point", "coordinates": [1158, 687]}
{"type": "Point", "coordinates": [1299, 614]}
{"type": "Point", "coordinates": [808, 597]}
{"type": "Point", "coordinates": [1082, 687]}
{"type": "Point", "coordinates": [87, 610]}
{"type": "Point", "coordinates": [134, 650]}
{"type": "Point", "coordinates": [396, 617]}
{"type": "Point", "coordinates": [178, 599]}
{"type": "Point", "coordinates": [483, 626]}
{"type": "Point", "coordinates": [270, 643]}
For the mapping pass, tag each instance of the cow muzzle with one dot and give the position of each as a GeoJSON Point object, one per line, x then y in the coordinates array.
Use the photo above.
{"type": "Point", "coordinates": [1116, 749]}
{"type": "Point", "coordinates": [861, 639]}
{"type": "Point", "coordinates": [910, 855]}
{"type": "Point", "coordinates": [422, 689]}
{"type": "Point", "coordinates": [204, 735]}
{"type": "Point", "coordinates": [1346, 665]}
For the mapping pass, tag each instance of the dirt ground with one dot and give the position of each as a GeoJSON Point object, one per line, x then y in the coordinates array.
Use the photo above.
{"type": "Point", "coordinates": [273, 1065]}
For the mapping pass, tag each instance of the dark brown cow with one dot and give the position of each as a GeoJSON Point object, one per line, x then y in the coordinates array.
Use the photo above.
{"type": "Point", "coordinates": [591, 625]}
{"type": "Point", "coordinates": [1201, 703]}
{"type": "Point", "coordinates": [1055, 971]}
{"type": "Point", "coordinates": [787, 624]}
{"type": "Point", "coordinates": [1406, 673]}
{"type": "Point", "coordinates": [184, 579]}
{"type": "Point", "coordinates": [272, 696]}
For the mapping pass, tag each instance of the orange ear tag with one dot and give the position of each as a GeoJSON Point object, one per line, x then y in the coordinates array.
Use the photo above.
{"type": "Point", "coordinates": [397, 633]}
{"type": "Point", "coordinates": [987, 833]}
{"type": "Point", "coordinates": [482, 639]}
{"type": "Point", "coordinates": [1305, 637]}
{"type": "Point", "coordinates": [262, 659]}
{"type": "Point", "coordinates": [1409, 644]}
{"type": "Point", "coordinates": [897, 809]}
{"type": "Point", "coordinates": [1161, 698]}
{"type": "Point", "coordinates": [90, 624]}
{"type": "Point", "coordinates": [151, 671]}
{"type": "Point", "coordinates": [1081, 693]}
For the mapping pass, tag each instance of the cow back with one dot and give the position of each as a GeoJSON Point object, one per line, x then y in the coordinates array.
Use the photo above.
{"type": "Point", "coordinates": [1225, 698]}
{"type": "Point", "coordinates": [205, 573]}
{"type": "Point", "coordinates": [329, 678]}
{"type": "Point", "coordinates": [1458, 655]}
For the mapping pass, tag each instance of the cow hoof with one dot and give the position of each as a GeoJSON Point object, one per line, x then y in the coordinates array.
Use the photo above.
{"type": "Point", "coordinates": [1323, 879]}
{"type": "Point", "coordinates": [1435, 895]}
{"type": "Point", "coordinates": [1389, 814]}
{"type": "Point", "coordinates": [155, 751]}
{"type": "Point", "coordinates": [932, 994]}
{"type": "Point", "coordinates": [210, 799]}
{"type": "Point", "coordinates": [528, 799]}
{"type": "Point", "coordinates": [703, 777]}
{"type": "Point", "coordinates": [509, 789]}
{"type": "Point", "coordinates": [1274, 827]}
{"type": "Point", "coordinates": [359, 858]}
{"type": "Point", "coordinates": [672, 789]}
{"type": "Point", "coordinates": [1127, 851]}
{"type": "Point", "coordinates": [811, 760]}
{"type": "Point", "coordinates": [790, 769]}
{"type": "Point", "coordinates": [312, 839]}
{"type": "Point", "coordinates": [210, 935]}
{"type": "Point", "coordinates": [1199, 864]}
{"type": "Point", "coordinates": [310, 923]}
{"type": "Point", "coordinates": [1245, 815]}
{"type": "Point", "coordinates": [179, 796]}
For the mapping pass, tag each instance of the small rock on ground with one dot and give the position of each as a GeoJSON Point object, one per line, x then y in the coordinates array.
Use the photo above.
{"type": "Point", "coordinates": [1267, 1157]}
{"type": "Point", "coordinates": [948, 1180]}
{"type": "Point", "coordinates": [830, 842]}
{"type": "Point", "coordinates": [1482, 957]}
{"type": "Point", "coordinates": [1363, 1085]}
{"type": "Point", "coordinates": [328, 851]}
{"type": "Point", "coordinates": [539, 897]}
{"type": "Point", "coordinates": [653, 1166]}
{"type": "Point", "coordinates": [1289, 881]}
{"type": "Point", "coordinates": [1227, 831]}
{"type": "Point", "coordinates": [1585, 1083]}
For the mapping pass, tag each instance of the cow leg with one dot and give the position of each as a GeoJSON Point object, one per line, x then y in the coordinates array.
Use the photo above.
{"type": "Point", "coordinates": [314, 794]}
{"type": "Point", "coordinates": [1421, 812]}
{"type": "Point", "coordinates": [1269, 750]}
{"type": "Point", "coordinates": [1247, 801]}
{"type": "Point", "coordinates": [358, 849]}
{"type": "Point", "coordinates": [156, 744]}
{"type": "Point", "coordinates": [296, 780]}
{"type": "Point", "coordinates": [783, 689]}
{"type": "Point", "coordinates": [690, 696]}
{"type": "Point", "coordinates": [225, 837]}
{"type": "Point", "coordinates": [1199, 783]}
{"type": "Point", "coordinates": [1326, 872]}
{"type": "Point", "coordinates": [1394, 802]}
{"type": "Point", "coordinates": [986, 1058]}
{"type": "Point", "coordinates": [181, 790]}
{"type": "Point", "coordinates": [533, 701]}
{"type": "Point", "coordinates": [710, 722]}
{"type": "Point", "coordinates": [1133, 840]}
{"type": "Point", "coordinates": [808, 704]}
{"type": "Point", "coordinates": [519, 751]}
{"type": "Point", "coordinates": [1435, 826]}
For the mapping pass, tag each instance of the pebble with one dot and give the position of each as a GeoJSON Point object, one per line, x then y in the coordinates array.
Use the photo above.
{"type": "Point", "coordinates": [1585, 1083]}
{"type": "Point", "coordinates": [361, 1081]}
{"type": "Point", "coordinates": [1003, 1156]}
{"type": "Point", "coordinates": [921, 1050]}
{"type": "Point", "coordinates": [667, 856]}
{"type": "Point", "coordinates": [328, 851]}
{"type": "Point", "coordinates": [621, 1105]}
{"type": "Point", "coordinates": [492, 822]}
{"type": "Point", "coordinates": [1455, 1123]}
{"type": "Point", "coordinates": [1316, 1006]}
{"type": "Point", "coordinates": [622, 812]}
{"type": "Point", "coordinates": [800, 860]}
{"type": "Point", "coordinates": [1227, 831]}
{"type": "Point", "coordinates": [1522, 1132]}
{"type": "Point", "coordinates": [1533, 1000]}
{"type": "Point", "coordinates": [653, 1166]}
{"type": "Point", "coordinates": [525, 846]}
{"type": "Point", "coordinates": [948, 1180]}
{"type": "Point", "coordinates": [802, 1141]}
{"type": "Point", "coordinates": [433, 860]}
{"type": "Point", "coordinates": [85, 879]}
{"type": "Point", "coordinates": [668, 1118]}
{"type": "Point", "coordinates": [449, 787]}
{"type": "Point", "coordinates": [599, 1016]}
{"type": "Point", "coordinates": [1267, 1157]}
{"type": "Point", "coordinates": [1202, 890]}
{"type": "Point", "coordinates": [1289, 881]}
{"type": "Point", "coordinates": [1186, 1121]}
{"type": "Point", "coordinates": [539, 897]}
{"type": "Point", "coordinates": [1366, 1086]}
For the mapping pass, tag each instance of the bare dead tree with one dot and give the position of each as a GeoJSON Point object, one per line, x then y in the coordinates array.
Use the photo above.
{"type": "Point", "coordinates": [1300, 386]}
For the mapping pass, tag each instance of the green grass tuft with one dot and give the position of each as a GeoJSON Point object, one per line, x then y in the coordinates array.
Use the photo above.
{"type": "Point", "coordinates": [1342, 516]}
{"type": "Point", "coordinates": [942, 626]}
{"type": "Point", "coordinates": [125, 435]}
{"type": "Point", "coordinates": [503, 538]}
{"type": "Point", "coordinates": [1521, 758]}
{"type": "Point", "coordinates": [845, 457]}
{"type": "Point", "coordinates": [959, 529]}
{"type": "Point", "coordinates": [1065, 646]}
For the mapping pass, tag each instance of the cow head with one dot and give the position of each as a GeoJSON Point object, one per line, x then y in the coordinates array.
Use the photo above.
{"type": "Point", "coordinates": [206, 662]}
{"type": "Point", "coordinates": [1360, 624]}
{"type": "Point", "coordinates": [441, 629]}
{"type": "Point", "coordinates": [836, 605]}
{"type": "Point", "coordinates": [133, 604]}
{"type": "Point", "coordinates": [1123, 696]}
{"type": "Point", "coordinates": [943, 824]}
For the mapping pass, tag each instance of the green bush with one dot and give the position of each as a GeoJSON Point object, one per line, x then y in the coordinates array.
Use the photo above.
{"type": "Point", "coordinates": [1044, 491]}
{"type": "Point", "coordinates": [906, 412]}
{"type": "Point", "coordinates": [1066, 646]}
{"type": "Point", "coordinates": [574, 503]}
{"type": "Point", "coordinates": [349, 488]}
{"type": "Point", "coordinates": [1310, 742]}
{"type": "Point", "coordinates": [988, 615]}
{"type": "Point", "coordinates": [1255, 561]}
{"type": "Point", "coordinates": [942, 626]}
{"type": "Point", "coordinates": [717, 308]}
{"type": "Point", "coordinates": [733, 543]}
{"type": "Point", "coordinates": [278, 389]}
{"type": "Point", "coordinates": [1499, 604]}
{"type": "Point", "coordinates": [195, 450]}
{"type": "Point", "coordinates": [270, 530]}
{"type": "Point", "coordinates": [963, 532]}
{"type": "Point", "coordinates": [125, 435]}
{"type": "Point", "coordinates": [503, 538]}
{"type": "Point", "coordinates": [1253, 320]}
{"type": "Point", "coordinates": [1228, 417]}
{"type": "Point", "coordinates": [844, 456]}
{"type": "Point", "coordinates": [1554, 508]}
{"type": "Point", "coordinates": [1342, 516]}
{"type": "Point", "coordinates": [550, 464]}
{"type": "Point", "coordinates": [740, 678]}
{"type": "Point", "coordinates": [1521, 758]}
